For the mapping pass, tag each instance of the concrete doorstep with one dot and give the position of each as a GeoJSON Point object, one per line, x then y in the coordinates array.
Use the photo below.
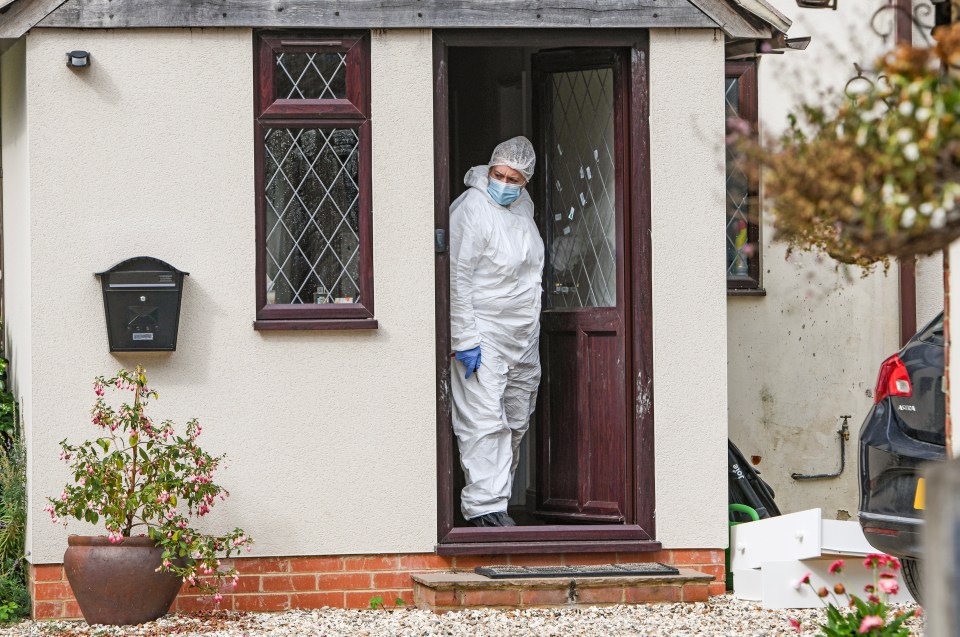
{"type": "Point", "coordinates": [460, 590]}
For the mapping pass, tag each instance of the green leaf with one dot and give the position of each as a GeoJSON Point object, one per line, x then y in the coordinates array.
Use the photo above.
{"type": "Point", "coordinates": [133, 440]}
{"type": "Point", "coordinates": [376, 602]}
{"type": "Point", "coordinates": [399, 602]}
{"type": "Point", "coordinates": [895, 624]}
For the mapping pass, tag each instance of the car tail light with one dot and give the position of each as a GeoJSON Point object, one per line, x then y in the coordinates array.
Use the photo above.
{"type": "Point", "coordinates": [893, 380]}
{"type": "Point", "coordinates": [879, 531]}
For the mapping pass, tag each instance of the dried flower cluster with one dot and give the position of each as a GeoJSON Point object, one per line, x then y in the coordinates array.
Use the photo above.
{"type": "Point", "coordinates": [141, 476]}
{"type": "Point", "coordinates": [877, 174]}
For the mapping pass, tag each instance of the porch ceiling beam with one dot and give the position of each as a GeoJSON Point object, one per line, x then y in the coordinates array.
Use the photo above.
{"type": "Point", "coordinates": [732, 21]}
{"type": "Point", "coordinates": [98, 14]}
{"type": "Point", "coordinates": [21, 16]}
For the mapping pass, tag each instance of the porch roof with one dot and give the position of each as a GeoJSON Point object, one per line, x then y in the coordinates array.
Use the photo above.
{"type": "Point", "coordinates": [738, 18]}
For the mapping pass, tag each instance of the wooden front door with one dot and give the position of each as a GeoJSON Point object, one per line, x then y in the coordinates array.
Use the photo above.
{"type": "Point", "coordinates": [595, 482]}
{"type": "Point", "coordinates": [583, 432]}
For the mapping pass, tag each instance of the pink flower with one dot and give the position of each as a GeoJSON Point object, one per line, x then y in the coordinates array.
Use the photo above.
{"type": "Point", "coordinates": [893, 563]}
{"type": "Point", "coordinates": [869, 623]}
{"type": "Point", "coordinates": [836, 567]}
{"type": "Point", "coordinates": [873, 599]}
{"type": "Point", "coordinates": [875, 559]}
{"type": "Point", "coordinates": [805, 579]}
{"type": "Point", "coordinates": [795, 623]}
{"type": "Point", "coordinates": [53, 515]}
{"type": "Point", "coordinates": [217, 597]}
{"type": "Point", "coordinates": [889, 586]}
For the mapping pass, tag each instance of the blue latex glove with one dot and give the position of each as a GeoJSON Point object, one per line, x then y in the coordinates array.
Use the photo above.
{"type": "Point", "coordinates": [470, 359]}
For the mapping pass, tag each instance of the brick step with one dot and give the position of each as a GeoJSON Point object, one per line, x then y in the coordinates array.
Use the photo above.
{"type": "Point", "coordinates": [459, 590]}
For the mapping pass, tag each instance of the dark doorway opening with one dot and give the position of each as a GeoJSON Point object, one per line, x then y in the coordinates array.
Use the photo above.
{"type": "Point", "coordinates": [586, 472]}
{"type": "Point", "coordinates": [490, 100]}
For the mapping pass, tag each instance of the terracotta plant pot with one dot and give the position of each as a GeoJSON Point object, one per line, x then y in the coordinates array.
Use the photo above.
{"type": "Point", "coordinates": [118, 584]}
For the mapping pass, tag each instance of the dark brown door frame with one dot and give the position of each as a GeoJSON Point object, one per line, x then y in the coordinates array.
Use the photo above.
{"type": "Point", "coordinates": [639, 533]}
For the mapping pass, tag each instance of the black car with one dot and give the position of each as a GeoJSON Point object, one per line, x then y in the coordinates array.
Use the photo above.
{"type": "Point", "coordinates": [904, 429]}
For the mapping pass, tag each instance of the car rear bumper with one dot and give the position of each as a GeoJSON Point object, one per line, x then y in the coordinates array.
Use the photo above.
{"type": "Point", "coordinates": [893, 534]}
{"type": "Point", "coordinates": [890, 462]}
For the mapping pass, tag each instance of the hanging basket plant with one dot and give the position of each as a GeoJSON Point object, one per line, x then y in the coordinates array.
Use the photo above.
{"type": "Point", "coordinates": [876, 175]}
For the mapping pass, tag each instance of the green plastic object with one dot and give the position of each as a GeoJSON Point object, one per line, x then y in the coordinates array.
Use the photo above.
{"type": "Point", "coordinates": [737, 508]}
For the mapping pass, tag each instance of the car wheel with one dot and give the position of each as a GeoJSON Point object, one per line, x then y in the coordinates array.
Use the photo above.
{"type": "Point", "coordinates": [912, 578]}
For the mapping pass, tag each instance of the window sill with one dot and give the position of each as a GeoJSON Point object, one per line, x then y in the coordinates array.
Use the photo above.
{"type": "Point", "coordinates": [315, 324]}
{"type": "Point", "coordinates": [746, 292]}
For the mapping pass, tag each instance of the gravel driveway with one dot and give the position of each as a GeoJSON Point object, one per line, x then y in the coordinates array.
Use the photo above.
{"type": "Point", "coordinates": [723, 615]}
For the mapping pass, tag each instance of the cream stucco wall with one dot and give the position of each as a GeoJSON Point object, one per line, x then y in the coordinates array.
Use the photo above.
{"type": "Point", "coordinates": [929, 287]}
{"type": "Point", "coordinates": [689, 289]}
{"type": "Point", "coordinates": [808, 352]}
{"type": "Point", "coordinates": [331, 436]}
{"type": "Point", "coordinates": [16, 234]}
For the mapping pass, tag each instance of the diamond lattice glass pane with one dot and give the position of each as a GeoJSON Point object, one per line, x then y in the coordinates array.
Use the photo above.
{"type": "Point", "coordinates": [311, 76]}
{"type": "Point", "coordinates": [732, 97]}
{"type": "Point", "coordinates": [738, 201]}
{"type": "Point", "coordinates": [312, 215]}
{"type": "Point", "coordinates": [581, 237]}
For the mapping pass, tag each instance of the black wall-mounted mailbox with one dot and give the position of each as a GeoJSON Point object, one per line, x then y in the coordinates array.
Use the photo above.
{"type": "Point", "coordinates": [141, 301]}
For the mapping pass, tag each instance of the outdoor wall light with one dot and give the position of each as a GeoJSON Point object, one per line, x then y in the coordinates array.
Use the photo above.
{"type": "Point", "coordinates": [78, 59]}
{"type": "Point", "coordinates": [817, 4]}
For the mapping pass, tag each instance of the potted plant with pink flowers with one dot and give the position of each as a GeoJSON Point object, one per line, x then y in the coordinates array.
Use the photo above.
{"type": "Point", "coordinates": [144, 483]}
{"type": "Point", "coordinates": [871, 615]}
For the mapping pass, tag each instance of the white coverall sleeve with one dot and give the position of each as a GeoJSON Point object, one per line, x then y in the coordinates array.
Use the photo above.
{"type": "Point", "coordinates": [466, 246]}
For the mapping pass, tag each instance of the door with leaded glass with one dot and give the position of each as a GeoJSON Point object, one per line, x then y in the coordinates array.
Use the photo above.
{"type": "Point", "coordinates": [583, 438]}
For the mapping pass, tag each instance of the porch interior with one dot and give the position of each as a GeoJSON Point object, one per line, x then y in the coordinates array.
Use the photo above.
{"type": "Point", "coordinates": [490, 101]}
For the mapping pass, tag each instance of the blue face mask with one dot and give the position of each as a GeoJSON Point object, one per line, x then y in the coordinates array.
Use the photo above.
{"type": "Point", "coordinates": [503, 193]}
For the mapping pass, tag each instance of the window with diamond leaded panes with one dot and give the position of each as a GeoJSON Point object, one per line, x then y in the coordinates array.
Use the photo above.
{"type": "Point", "coordinates": [742, 236]}
{"type": "Point", "coordinates": [314, 235]}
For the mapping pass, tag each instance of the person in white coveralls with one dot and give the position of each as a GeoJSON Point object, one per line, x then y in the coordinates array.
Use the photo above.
{"type": "Point", "coordinates": [496, 268]}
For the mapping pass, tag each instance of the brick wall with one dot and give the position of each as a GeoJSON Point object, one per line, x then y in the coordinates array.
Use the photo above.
{"type": "Point", "coordinates": [349, 581]}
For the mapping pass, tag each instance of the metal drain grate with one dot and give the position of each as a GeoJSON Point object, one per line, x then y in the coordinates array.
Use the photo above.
{"type": "Point", "coordinates": [596, 570]}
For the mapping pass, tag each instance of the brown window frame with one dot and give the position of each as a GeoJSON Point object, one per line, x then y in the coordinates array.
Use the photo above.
{"type": "Point", "coordinates": [350, 112]}
{"type": "Point", "coordinates": [746, 72]}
